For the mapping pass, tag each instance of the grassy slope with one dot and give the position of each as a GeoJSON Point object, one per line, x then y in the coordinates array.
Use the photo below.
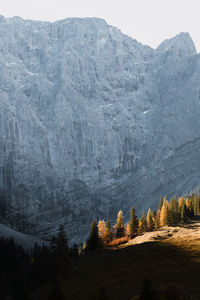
{"type": "Point", "coordinates": [169, 260]}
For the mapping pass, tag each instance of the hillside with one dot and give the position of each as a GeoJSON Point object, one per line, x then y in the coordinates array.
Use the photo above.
{"type": "Point", "coordinates": [26, 241]}
{"type": "Point", "coordinates": [169, 258]}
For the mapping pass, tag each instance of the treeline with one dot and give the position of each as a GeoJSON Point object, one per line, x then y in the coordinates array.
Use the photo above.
{"type": "Point", "coordinates": [169, 213]}
{"type": "Point", "coordinates": [23, 271]}
{"type": "Point", "coordinates": [14, 262]}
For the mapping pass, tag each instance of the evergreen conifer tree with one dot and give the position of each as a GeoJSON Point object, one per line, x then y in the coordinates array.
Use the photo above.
{"type": "Point", "coordinates": [62, 252]}
{"type": "Point", "coordinates": [93, 241]}
{"type": "Point", "coordinates": [184, 213]}
{"type": "Point", "coordinates": [53, 244]}
{"type": "Point", "coordinates": [173, 213]}
{"type": "Point", "coordinates": [108, 224]}
{"type": "Point", "coordinates": [191, 209]}
{"type": "Point", "coordinates": [150, 223]}
{"type": "Point", "coordinates": [133, 223]}
{"type": "Point", "coordinates": [143, 223]}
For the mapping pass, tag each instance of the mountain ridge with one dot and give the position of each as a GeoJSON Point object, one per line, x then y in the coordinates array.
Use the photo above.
{"type": "Point", "coordinates": [80, 107]}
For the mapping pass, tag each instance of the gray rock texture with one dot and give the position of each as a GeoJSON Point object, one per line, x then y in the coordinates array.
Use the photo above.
{"type": "Point", "coordinates": [92, 121]}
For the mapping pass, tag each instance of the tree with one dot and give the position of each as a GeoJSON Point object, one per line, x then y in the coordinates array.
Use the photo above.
{"type": "Point", "coordinates": [157, 220]}
{"type": "Point", "coordinates": [108, 224]}
{"type": "Point", "coordinates": [160, 204]}
{"type": "Point", "coordinates": [53, 244]}
{"type": "Point", "coordinates": [36, 249]}
{"type": "Point", "coordinates": [184, 213]}
{"type": "Point", "coordinates": [150, 223]}
{"type": "Point", "coordinates": [180, 202]}
{"type": "Point", "coordinates": [62, 252]}
{"type": "Point", "coordinates": [195, 201]}
{"type": "Point", "coordinates": [189, 206]}
{"type": "Point", "coordinates": [164, 214]}
{"type": "Point", "coordinates": [83, 249]}
{"type": "Point", "coordinates": [132, 227]}
{"type": "Point", "coordinates": [101, 228]}
{"type": "Point", "coordinates": [198, 205]}
{"type": "Point", "coordinates": [143, 223]}
{"type": "Point", "coordinates": [62, 241]}
{"type": "Point", "coordinates": [154, 214]}
{"type": "Point", "coordinates": [93, 241]}
{"type": "Point", "coordinates": [120, 225]}
{"type": "Point", "coordinates": [107, 233]}
{"type": "Point", "coordinates": [173, 212]}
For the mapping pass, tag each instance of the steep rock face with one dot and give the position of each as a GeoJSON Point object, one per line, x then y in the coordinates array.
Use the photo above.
{"type": "Point", "coordinates": [92, 121]}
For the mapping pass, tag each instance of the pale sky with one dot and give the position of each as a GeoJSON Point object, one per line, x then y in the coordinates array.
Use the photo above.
{"type": "Point", "coordinates": [148, 21]}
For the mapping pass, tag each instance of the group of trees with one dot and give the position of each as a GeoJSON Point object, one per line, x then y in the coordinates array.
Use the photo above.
{"type": "Point", "coordinates": [22, 271]}
{"type": "Point", "coordinates": [169, 213]}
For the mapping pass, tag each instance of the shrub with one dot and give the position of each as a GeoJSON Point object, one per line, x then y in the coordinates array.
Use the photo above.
{"type": "Point", "coordinates": [120, 241]}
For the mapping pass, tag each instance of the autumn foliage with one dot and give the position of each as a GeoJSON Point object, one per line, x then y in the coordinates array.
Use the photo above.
{"type": "Point", "coordinates": [169, 213]}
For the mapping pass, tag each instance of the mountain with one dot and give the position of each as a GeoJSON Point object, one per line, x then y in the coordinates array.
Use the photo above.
{"type": "Point", "coordinates": [92, 121]}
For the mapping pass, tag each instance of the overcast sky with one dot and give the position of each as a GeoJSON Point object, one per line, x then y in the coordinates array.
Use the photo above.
{"type": "Point", "coordinates": [148, 21]}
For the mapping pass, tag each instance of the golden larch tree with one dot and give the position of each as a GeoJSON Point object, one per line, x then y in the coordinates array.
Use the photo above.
{"type": "Point", "coordinates": [164, 214]}
{"type": "Point", "coordinates": [120, 225]}
{"type": "Point", "coordinates": [101, 228]}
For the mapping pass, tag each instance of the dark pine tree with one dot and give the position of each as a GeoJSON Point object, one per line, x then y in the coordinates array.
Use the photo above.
{"type": "Point", "coordinates": [133, 223]}
{"type": "Point", "coordinates": [62, 253]}
{"type": "Point", "coordinates": [53, 244]}
{"type": "Point", "coordinates": [93, 241]}
{"type": "Point", "coordinates": [184, 213]}
{"type": "Point", "coordinates": [173, 212]}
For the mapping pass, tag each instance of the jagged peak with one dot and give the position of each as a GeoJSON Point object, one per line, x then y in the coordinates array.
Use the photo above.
{"type": "Point", "coordinates": [180, 45]}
